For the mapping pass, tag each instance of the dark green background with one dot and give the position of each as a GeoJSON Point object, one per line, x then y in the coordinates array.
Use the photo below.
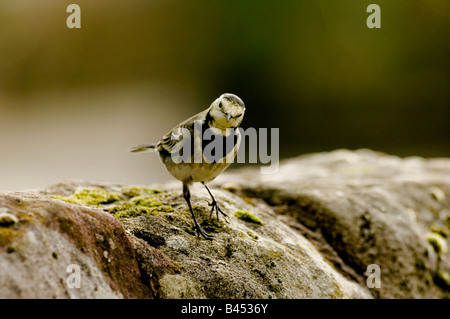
{"type": "Point", "coordinates": [311, 68]}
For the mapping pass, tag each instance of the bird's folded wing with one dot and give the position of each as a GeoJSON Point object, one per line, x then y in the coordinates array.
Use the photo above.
{"type": "Point", "coordinates": [173, 141]}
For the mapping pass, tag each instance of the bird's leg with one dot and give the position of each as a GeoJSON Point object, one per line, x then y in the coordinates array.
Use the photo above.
{"type": "Point", "coordinates": [214, 204]}
{"type": "Point", "coordinates": [187, 197]}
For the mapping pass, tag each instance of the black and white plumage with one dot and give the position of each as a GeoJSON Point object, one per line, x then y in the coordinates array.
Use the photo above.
{"type": "Point", "coordinates": [216, 124]}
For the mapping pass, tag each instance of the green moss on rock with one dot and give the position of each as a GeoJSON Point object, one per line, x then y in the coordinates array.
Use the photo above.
{"type": "Point", "coordinates": [134, 191]}
{"type": "Point", "coordinates": [146, 201]}
{"type": "Point", "coordinates": [165, 209]}
{"type": "Point", "coordinates": [6, 236]}
{"type": "Point", "coordinates": [141, 200]}
{"type": "Point", "coordinates": [126, 210]}
{"type": "Point", "coordinates": [140, 206]}
{"type": "Point", "coordinates": [248, 217]}
{"type": "Point", "coordinates": [90, 196]}
{"type": "Point", "coordinates": [66, 225]}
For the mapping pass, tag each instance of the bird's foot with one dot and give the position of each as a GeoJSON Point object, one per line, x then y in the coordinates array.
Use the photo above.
{"type": "Point", "coordinates": [201, 232]}
{"type": "Point", "coordinates": [218, 210]}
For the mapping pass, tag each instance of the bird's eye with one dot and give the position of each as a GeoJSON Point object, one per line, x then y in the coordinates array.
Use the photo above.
{"type": "Point", "coordinates": [220, 105]}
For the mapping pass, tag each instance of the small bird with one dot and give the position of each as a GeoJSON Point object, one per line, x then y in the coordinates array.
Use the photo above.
{"type": "Point", "coordinates": [220, 121]}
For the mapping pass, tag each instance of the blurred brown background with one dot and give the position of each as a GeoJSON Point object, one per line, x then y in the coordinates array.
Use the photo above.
{"type": "Point", "coordinates": [73, 100]}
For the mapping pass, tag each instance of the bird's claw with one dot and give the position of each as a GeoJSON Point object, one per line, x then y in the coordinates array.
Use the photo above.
{"type": "Point", "coordinates": [216, 207]}
{"type": "Point", "coordinates": [200, 231]}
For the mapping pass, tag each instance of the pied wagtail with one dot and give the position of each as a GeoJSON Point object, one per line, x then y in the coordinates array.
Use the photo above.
{"type": "Point", "coordinates": [221, 119]}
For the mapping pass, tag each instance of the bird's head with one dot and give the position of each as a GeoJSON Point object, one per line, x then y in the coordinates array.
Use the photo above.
{"type": "Point", "coordinates": [227, 111]}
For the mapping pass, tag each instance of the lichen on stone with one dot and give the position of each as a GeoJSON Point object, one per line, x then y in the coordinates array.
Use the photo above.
{"type": "Point", "coordinates": [90, 196]}
{"type": "Point", "coordinates": [66, 225]}
{"type": "Point", "coordinates": [147, 204]}
{"type": "Point", "coordinates": [7, 235]}
{"type": "Point", "coordinates": [139, 204]}
{"type": "Point", "coordinates": [127, 209]}
{"type": "Point", "coordinates": [146, 201]}
{"type": "Point", "coordinates": [248, 217]}
{"type": "Point", "coordinates": [178, 287]}
{"type": "Point", "coordinates": [131, 202]}
{"type": "Point", "coordinates": [135, 191]}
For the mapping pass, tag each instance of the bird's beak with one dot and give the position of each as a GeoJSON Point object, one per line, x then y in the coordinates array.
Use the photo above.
{"type": "Point", "coordinates": [228, 116]}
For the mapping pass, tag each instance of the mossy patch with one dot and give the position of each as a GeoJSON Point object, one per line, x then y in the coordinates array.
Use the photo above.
{"type": "Point", "coordinates": [248, 217]}
{"type": "Point", "coordinates": [146, 201]}
{"type": "Point", "coordinates": [133, 201]}
{"type": "Point", "coordinates": [165, 209]}
{"type": "Point", "coordinates": [141, 205]}
{"type": "Point", "coordinates": [91, 196]}
{"type": "Point", "coordinates": [66, 225]}
{"type": "Point", "coordinates": [135, 191]}
{"type": "Point", "coordinates": [6, 236]}
{"type": "Point", "coordinates": [126, 210]}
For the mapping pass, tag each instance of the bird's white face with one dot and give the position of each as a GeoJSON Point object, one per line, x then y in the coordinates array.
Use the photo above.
{"type": "Point", "coordinates": [227, 111]}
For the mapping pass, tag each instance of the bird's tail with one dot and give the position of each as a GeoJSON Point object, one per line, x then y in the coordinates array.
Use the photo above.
{"type": "Point", "coordinates": [142, 148]}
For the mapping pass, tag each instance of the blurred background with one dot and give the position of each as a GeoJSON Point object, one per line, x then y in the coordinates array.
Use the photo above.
{"type": "Point", "coordinates": [72, 101]}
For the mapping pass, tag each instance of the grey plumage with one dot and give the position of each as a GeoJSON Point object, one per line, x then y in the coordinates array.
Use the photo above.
{"type": "Point", "coordinates": [221, 118]}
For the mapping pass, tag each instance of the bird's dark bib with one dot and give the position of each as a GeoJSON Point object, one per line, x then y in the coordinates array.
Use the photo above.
{"type": "Point", "coordinates": [217, 146]}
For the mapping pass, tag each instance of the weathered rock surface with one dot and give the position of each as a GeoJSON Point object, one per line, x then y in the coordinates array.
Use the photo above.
{"type": "Point", "coordinates": [311, 231]}
{"type": "Point", "coordinates": [361, 208]}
